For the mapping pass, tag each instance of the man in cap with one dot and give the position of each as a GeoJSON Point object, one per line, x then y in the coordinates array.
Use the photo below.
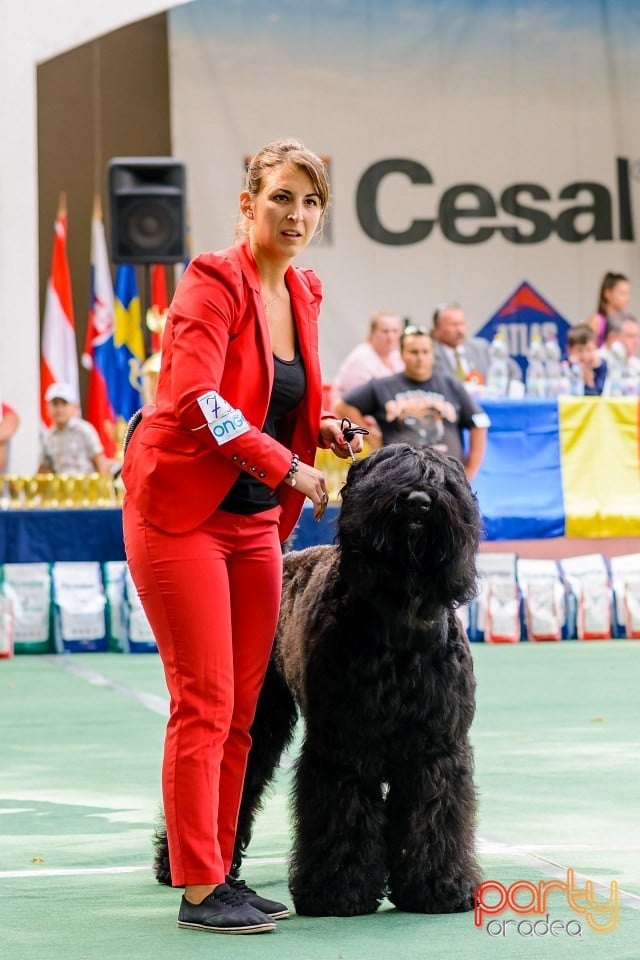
{"type": "Point", "coordinates": [71, 445]}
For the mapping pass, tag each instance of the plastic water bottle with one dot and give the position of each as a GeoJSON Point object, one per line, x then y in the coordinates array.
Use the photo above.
{"type": "Point", "coordinates": [564, 382]}
{"type": "Point", "coordinates": [535, 384]}
{"type": "Point", "coordinates": [616, 367]}
{"type": "Point", "coordinates": [577, 380]}
{"type": "Point", "coordinates": [498, 372]}
{"type": "Point", "coordinates": [630, 381]}
{"type": "Point", "coordinates": [552, 356]}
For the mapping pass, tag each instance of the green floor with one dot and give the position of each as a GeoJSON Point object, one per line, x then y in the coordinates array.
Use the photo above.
{"type": "Point", "coordinates": [557, 746]}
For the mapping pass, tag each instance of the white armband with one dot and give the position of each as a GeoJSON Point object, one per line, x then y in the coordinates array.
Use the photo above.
{"type": "Point", "coordinates": [224, 421]}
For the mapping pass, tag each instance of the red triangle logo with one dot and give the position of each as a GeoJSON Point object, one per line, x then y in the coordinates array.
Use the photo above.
{"type": "Point", "coordinates": [525, 296]}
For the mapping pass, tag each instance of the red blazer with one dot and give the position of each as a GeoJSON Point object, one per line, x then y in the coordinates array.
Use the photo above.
{"type": "Point", "coordinates": [216, 338]}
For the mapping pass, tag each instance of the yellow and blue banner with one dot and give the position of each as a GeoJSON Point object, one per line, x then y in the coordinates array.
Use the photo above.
{"type": "Point", "coordinates": [561, 467]}
{"type": "Point", "coordinates": [600, 464]}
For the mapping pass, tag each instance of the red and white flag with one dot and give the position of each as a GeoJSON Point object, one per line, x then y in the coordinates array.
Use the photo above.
{"type": "Point", "coordinates": [157, 313]}
{"type": "Point", "coordinates": [59, 356]}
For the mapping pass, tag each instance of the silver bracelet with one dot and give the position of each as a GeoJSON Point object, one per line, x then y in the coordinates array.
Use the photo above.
{"type": "Point", "coordinates": [293, 469]}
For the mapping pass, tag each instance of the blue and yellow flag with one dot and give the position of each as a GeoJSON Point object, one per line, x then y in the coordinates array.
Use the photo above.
{"type": "Point", "coordinates": [566, 467]}
{"type": "Point", "coordinates": [128, 341]}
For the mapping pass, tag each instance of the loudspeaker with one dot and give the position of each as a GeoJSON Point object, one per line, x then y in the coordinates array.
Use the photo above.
{"type": "Point", "coordinates": [147, 210]}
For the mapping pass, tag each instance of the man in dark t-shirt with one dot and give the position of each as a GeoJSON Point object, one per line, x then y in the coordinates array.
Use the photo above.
{"type": "Point", "coordinates": [421, 407]}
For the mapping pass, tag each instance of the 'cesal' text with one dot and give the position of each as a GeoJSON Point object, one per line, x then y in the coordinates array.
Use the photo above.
{"type": "Point", "coordinates": [460, 206]}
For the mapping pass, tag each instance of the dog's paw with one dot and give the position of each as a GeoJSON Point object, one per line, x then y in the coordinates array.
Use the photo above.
{"type": "Point", "coordinates": [447, 896]}
{"type": "Point", "coordinates": [324, 905]}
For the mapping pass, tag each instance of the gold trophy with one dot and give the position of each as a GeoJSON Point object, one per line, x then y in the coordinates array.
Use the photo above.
{"type": "Point", "coordinates": [16, 487]}
{"type": "Point", "coordinates": [47, 486]}
{"type": "Point", "coordinates": [155, 320]}
{"type": "Point", "coordinates": [33, 498]}
{"type": "Point", "coordinates": [67, 489]}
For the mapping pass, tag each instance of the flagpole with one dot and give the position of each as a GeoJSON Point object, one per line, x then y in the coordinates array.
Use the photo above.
{"type": "Point", "coordinates": [146, 332]}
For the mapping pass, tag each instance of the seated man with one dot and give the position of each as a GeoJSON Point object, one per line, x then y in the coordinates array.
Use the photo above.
{"type": "Point", "coordinates": [421, 406]}
{"type": "Point", "coordinates": [9, 423]}
{"type": "Point", "coordinates": [466, 358]}
{"type": "Point", "coordinates": [622, 329]}
{"type": "Point", "coordinates": [71, 445]}
{"type": "Point", "coordinates": [630, 337]}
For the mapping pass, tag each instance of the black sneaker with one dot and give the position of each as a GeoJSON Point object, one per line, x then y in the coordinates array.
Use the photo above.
{"type": "Point", "coordinates": [278, 911]}
{"type": "Point", "coordinates": [224, 911]}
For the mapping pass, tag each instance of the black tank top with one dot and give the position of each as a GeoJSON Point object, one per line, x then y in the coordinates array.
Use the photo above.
{"type": "Point", "coordinates": [249, 495]}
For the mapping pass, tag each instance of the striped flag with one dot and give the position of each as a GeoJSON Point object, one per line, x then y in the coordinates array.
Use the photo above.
{"type": "Point", "coordinates": [58, 357]}
{"type": "Point", "coordinates": [99, 355]}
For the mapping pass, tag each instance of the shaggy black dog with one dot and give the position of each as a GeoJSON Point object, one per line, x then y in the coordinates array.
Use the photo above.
{"type": "Point", "coordinates": [369, 648]}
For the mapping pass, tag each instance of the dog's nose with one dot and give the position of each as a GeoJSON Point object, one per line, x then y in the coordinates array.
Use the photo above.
{"type": "Point", "coordinates": [419, 501]}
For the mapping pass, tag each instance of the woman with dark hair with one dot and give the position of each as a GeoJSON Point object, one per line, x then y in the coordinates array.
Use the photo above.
{"type": "Point", "coordinates": [216, 474]}
{"type": "Point", "coordinates": [614, 296]}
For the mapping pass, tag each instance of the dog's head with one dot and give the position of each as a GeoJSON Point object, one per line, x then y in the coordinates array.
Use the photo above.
{"type": "Point", "coordinates": [411, 512]}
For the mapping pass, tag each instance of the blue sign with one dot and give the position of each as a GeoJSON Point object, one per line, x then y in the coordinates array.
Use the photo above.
{"type": "Point", "coordinates": [522, 317]}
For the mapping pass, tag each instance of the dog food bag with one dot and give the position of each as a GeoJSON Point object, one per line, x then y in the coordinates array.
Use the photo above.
{"type": "Point", "coordinates": [113, 573]}
{"type": "Point", "coordinates": [625, 580]}
{"type": "Point", "coordinates": [588, 577]}
{"type": "Point", "coordinates": [498, 619]}
{"type": "Point", "coordinates": [544, 598]}
{"type": "Point", "coordinates": [6, 621]}
{"type": "Point", "coordinates": [31, 587]}
{"type": "Point", "coordinates": [139, 636]}
{"type": "Point", "coordinates": [79, 607]}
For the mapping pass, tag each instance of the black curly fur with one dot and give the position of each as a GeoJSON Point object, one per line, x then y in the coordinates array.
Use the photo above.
{"type": "Point", "coordinates": [370, 649]}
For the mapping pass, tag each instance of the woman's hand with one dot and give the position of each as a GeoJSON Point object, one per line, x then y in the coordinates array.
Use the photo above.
{"type": "Point", "coordinates": [332, 435]}
{"type": "Point", "coordinates": [311, 483]}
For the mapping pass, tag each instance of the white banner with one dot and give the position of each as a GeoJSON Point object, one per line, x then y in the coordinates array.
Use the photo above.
{"type": "Point", "coordinates": [472, 146]}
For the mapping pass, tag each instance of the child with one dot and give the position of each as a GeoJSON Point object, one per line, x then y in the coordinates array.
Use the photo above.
{"type": "Point", "coordinates": [581, 347]}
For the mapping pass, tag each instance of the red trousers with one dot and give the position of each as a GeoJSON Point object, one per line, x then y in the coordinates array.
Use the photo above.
{"type": "Point", "coordinates": [212, 597]}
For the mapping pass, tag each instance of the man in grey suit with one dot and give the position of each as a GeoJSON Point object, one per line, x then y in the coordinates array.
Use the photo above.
{"type": "Point", "coordinates": [466, 358]}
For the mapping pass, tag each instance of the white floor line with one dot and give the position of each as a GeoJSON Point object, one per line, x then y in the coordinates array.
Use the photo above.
{"type": "Point", "coordinates": [160, 705]}
{"type": "Point", "coordinates": [37, 873]}
{"type": "Point", "coordinates": [548, 867]}
{"type": "Point", "coordinates": [517, 854]}
{"type": "Point", "coordinates": [151, 701]}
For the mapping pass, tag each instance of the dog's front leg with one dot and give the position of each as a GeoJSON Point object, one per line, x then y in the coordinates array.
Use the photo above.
{"type": "Point", "coordinates": [431, 811]}
{"type": "Point", "coordinates": [338, 862]}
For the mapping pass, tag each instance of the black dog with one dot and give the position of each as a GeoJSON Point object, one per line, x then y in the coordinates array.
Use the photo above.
{"type": "Point", "coordinates": [369, 648]}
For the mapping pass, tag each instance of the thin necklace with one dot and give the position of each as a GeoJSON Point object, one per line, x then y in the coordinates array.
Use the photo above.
{"type": "Point", "coordinates": [270, 303]}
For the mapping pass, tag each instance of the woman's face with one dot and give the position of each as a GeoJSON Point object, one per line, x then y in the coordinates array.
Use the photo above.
{"type": "Point", "coordinates": [386, 336]}
{"type": "Point", "coordinates": [285, 214]}
{"type": "Point", "coordinates": [618, 296]}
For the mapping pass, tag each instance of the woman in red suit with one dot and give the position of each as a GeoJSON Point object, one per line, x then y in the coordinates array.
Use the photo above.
{"type": "Point", "coordinates": [216, 474]}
